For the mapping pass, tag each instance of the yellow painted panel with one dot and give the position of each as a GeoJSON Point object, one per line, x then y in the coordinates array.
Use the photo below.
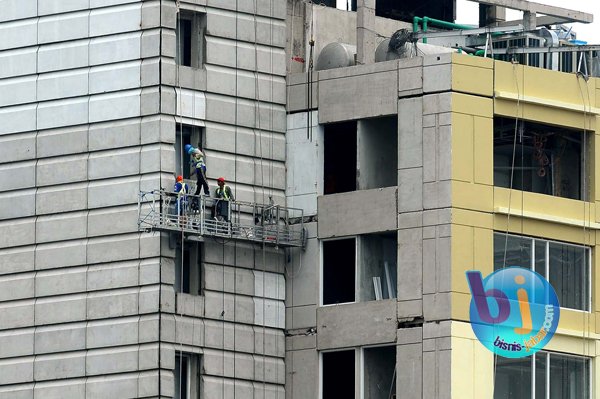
{"type": "Point", "coordinates": [524, 81]}
{"type": "Point", "coordinates": [548, 230]}
{"type": "Point", "coordinates": [462, 147]}
{"type": "Point", "coordinates": [576, 345]}
{"type": "Point", "coordinates": [483, 140]}
{"type": "Point", "coordinates": [545, 207]}
{"type": "Point", "coordinates": [472, 105]}
{"type": "Point", "coordinates": [545, 114]}
{"type": "Point", "coordinates": [472, 79]}
{"type": "Point", "coordinates": [594, 165]}
{"type": "Point", "coordinates": [460, 305]}
{"type": "Point", "coordinates": [480, 62]}
{"type": "Point", "coordinates": [509, 77]}
{"type": "Point", "coordinates": [477, 197]}
{"type": "Point", "coordinates": [573, 320]}
{"type": "Point", "coordinates": [472, 218]}
{"type": "Point", "coordinates": [483, 256]}
{"type": "Point", "coordinates": [462, 256]}
{"type": "Point", "coordinates": [463, 367]}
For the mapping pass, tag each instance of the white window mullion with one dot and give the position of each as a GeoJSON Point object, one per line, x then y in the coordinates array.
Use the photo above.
{"type": "Point", "coordinates": [360, 354]}
{"type": "Point", "coordinates": [547, 375]}
{"type": "Point", "coordinates": [533, 376]}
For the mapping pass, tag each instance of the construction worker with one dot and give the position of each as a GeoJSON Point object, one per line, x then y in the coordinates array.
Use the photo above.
{"type": "Point", "coordinates": [224, 195]}
{"type": "Point", "coordinates": [181, 188]}
{"type": "Point", "coordinates": [199, 168]}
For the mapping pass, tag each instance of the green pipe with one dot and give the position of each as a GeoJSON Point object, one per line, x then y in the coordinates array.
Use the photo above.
{"type": "Point", "coordinates": [435, 22]}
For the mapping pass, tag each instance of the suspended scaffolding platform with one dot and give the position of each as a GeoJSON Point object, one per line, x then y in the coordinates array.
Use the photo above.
{"type": "Point", "coordinates": [200, 216]}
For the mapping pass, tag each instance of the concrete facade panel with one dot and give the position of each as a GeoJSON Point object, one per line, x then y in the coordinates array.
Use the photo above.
{"type": "Point", "coordinates": [19, 286]}
{"type": "Point", "coordinates": [66, 389]}
{"type": "Point", "coordinates": [15, 260]}
{"type": "Point", "coordinates": [18, 62]}
{"type": "Point", "coordinates": [64, 198]}
{"type": "Point", "coordinates": [60, 282]}
{"type": "Point", "coordinates": [115, 106]}
{"type": "Point", "coordinates": [109, 361]}
{"type": "Point", "coordinates": [14, 371]}
{"type": "Point", "coordinates": [17, 204]}
{"type": "Point", "coordinates": [55, 85]}
{"type": "Point", "coordinates": [18, 9]}
{"type": "Point", "coordinates": [62, 170]}
{"type": "Point", "coordinates": [112, 333]}
{"type": "Point", "coordinates": [14, 343]}
{"type": "Point", "coordinates": [16, 314]}
{"type": "Point", "coordinates": [17, 175]}
{"type": "Point", "coordinates": [61, 227]}
{"type": "Point", "coordinates": [14, 233]}
{"type": "Point", "coordinates": [22, 33]}
{"type": "Point", "coordinates": [62, 141]}
{"type": "Point", "coordinates": [18, 119]}
{"type": "Point", "coordinates": [50, 7]}
{"type": "Point", "coordinates": [19, 90]}
{"type": "Point", "coordinates": [50, 367]}
{"type": "Point", "coordinates": [371, 210]}
{"type": "Point", "coordinates": [60, 338]}
{"type": "Point", "coordinates": [338, 328]}
{"type": "Point", "coordinates": [119, 134]}
{"type": "Point", "coordinates": [114, 386]}
{"type": "Point", "coordinates": [111, 20]}
{"type": "Point", "coordinates": [113, 192]}
{"type": "Point", "coordinates": [109, 49]}
{"type": "Point", "coordinates": [115, 77]}
{"type": "Point", "coordinates": [114, 163]}
{"type": "Point", "coordinates": [62, 254]}
{"type": "Point", "coordinates": [62, 27]}
{"type": "Point", "coordinates": [113, 275]}
{"type": "Point", "coordinates": [54, 57]}
{"type": "Point", "coordinates": [110, 221]}
{"type": "Point", "coordinates": [101, 250]}
{"type": "Point", "coordinates": [61, 113]}
{"type": "Point", "coordinates": [63, 309]}
{"type": "Point", "coordinates": [18, 147]}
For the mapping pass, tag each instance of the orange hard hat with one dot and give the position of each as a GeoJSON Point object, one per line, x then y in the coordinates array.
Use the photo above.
{"type": "Point", "coordinates": [221, 179]}
{"type": "Point", "coordinates": [179, 178]}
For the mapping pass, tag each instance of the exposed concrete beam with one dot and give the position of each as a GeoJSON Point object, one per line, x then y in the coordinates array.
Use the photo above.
{"type": "Point", "coordinates": [532, 7]}
{"type": "Point", "coordinates": [365, 32]}
{"type": "Point", "coordinates": [541, 20]}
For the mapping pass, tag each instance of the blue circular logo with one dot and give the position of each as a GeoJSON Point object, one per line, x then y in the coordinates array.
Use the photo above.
{"type": "Point", "coordinates": [514, 311]}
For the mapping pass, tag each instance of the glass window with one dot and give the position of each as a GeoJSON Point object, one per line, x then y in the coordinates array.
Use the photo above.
{"type": "Point", "coordinates": [547, 159]}
{"type": "Point", "coordinates": [188, 264]}
{"type": "Point", "coordinates": [338, 374]}
{"type": "Point", "coordinates": [567, 377]}
{"type": "Point", "coordinates": [565, 266]}
{"type": "Point", "coordinates": [186, 375]}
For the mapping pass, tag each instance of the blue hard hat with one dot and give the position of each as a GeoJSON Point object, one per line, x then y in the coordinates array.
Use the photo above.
{"type": "Point", "coordinates": [188, 147]}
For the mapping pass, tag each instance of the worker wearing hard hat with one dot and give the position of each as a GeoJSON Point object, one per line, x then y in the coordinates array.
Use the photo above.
{"type": "Point", "coordinates": [224, 195]}
{"type": "Point", "coordinates": [181, 189]}
{"type": "Point", "coordinates": [199, 168]}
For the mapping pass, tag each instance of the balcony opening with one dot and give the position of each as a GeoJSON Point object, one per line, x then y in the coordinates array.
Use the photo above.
{"type": "Point", "coordinates": [407, 9]}
{"type": "Point", "coordinates": [186, 375]}
{"type": "Point", "coordinates": [185, 134]}
{"type": "Point", "coordinates": [189, 33]}
{"type": "Point", "coordinates": [547, 159]}
{"type": "Point", "coordinates": [338, 373]}
{"type": "Point", "coordinates": [377, 153]}
{"type": "Point", "coordinates": [379, 372]}
{"type": "Point", "coordinates": [339, 157]}
{"type": "Point", "coordinates": [188, 266]}
{"type": "Point", "coordinates": [377, 266]}
{"type": "Point", "coordinates": [339, 271]}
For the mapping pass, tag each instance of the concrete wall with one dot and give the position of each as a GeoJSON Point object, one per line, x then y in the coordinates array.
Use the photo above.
{"type": "Point", "coordinates": [88, 110]}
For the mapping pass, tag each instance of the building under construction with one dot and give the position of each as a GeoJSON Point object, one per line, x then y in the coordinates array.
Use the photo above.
{"type": "Point", "coordinates": [376, 151]}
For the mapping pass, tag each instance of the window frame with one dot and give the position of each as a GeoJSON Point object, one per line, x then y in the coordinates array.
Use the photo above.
{"type": "Point", "coordinates": [359, 367]}
{"type": "Point", "coordinates": [321, 269]}
{"type": "Point", "coordinates": [197, 38]}
{"type": "Point", "coordinates": [186, 134]}
{"type": "Point", "coordinates": [196, 253]}
{"type": "Point", "coordinates": [547, 263]}
{"type": "Point", "coordinates": [193, 380]}
{"type": "Point", "coordinates": [548, 355]}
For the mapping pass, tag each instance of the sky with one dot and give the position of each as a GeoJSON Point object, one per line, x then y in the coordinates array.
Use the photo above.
{"type": "Point", "coordinates": [467, 13]}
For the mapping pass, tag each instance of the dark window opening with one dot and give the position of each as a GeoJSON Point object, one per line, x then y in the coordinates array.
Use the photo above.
{"type": "Point", "coordinates": [377, 153]}
{"type": "Point", "coordinates": [339, 271]}
{"type": "Point", "coordinates": [407, 9]}
{"type": "Point", "coordinates": [339, 158]}
{"type": "Point", "coordinates": [547, 159]}
{"type": "Point", "coordinates": [338, 374]}
{"type": "Point", "coordinates": [186, 375]}
{"type": "Point", "coordinates": [377, 266]}
{"type": "Point", "coordinates": [379, 372]}
{"type": "Point", "coordinates": [185, 134]}
{"type": "Point", "coordinates": [189, 34]}
{"type": "Point", "coordinates": [188, 264]}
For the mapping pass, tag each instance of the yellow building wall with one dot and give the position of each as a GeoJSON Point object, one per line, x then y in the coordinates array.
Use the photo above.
{"type": "Point", "coordinates": [479, 208]}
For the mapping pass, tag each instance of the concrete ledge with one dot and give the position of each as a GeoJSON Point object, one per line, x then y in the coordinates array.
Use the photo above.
{"type": "Point", "coordinates": [370, 210]}
{"type": "Point", "coordinates": [337, 326]}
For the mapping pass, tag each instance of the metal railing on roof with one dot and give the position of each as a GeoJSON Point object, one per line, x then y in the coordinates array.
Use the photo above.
{"type": "Point", "coordinates": [202, 216]}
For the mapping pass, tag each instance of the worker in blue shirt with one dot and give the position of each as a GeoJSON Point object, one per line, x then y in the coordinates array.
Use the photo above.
{"type": "Point", "coordinates": [182, 189]}
{"type": "Point", "coordinates": [199, 168]}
